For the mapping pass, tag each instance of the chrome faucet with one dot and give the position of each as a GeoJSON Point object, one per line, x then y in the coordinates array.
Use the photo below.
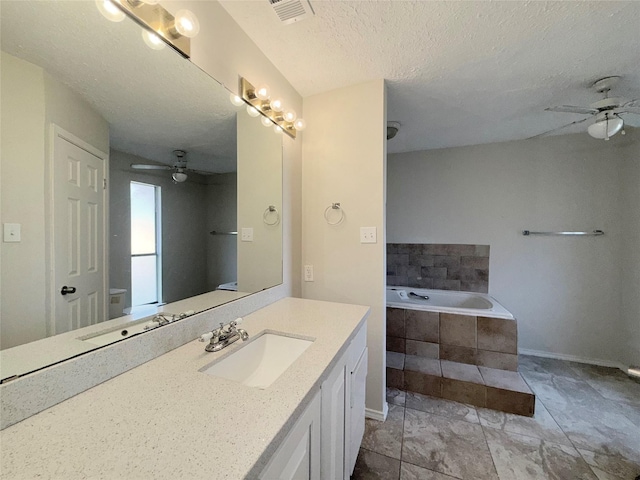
{"type": "Point", "coordinates": [223, 337]}
{"type": "Point", "coordinates": [161, 319]}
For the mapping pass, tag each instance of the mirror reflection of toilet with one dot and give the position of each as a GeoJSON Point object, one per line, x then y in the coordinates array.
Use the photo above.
{"type": "Point", "coordinates": [116, 302]}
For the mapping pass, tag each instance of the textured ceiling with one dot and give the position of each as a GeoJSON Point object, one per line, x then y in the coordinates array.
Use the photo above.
{"type": "Point", "coordinates": [154, 101]}
{"type": "Point", "coordinates": [458, 73]}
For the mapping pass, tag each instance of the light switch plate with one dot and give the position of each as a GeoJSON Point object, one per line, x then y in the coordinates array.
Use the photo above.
{"type": "Point", "coordinates": [368, 235]}
{"type": "Point", "coordinates": [12, 232]}
{"type": "Point", "coordinates": [247, 234]}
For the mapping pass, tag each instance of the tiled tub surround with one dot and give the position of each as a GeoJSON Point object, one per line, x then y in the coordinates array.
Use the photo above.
{"type": "Point", "coordinates": [483, 341]}
{"type": "Point", "coordinates": [466, 358]}
{"type": "Point", "coordinates": [439, 266]}
{"type": "Point", "coordinates": [167, 419]}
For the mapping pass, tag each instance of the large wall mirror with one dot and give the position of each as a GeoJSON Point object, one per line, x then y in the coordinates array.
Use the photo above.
{"type": "Point", "coordinates": [126, 174]}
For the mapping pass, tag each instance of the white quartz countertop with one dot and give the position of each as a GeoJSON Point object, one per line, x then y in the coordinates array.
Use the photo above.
{"type": "Point", "coordinates": [166, 419]}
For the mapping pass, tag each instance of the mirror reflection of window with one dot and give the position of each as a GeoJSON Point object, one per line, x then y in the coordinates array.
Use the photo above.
{"type": "Point", "coordinates": [146, 285]}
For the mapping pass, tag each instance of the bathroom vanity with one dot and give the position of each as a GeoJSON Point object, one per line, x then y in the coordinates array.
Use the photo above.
{"type": "Point", "coordinates": [168, 418]}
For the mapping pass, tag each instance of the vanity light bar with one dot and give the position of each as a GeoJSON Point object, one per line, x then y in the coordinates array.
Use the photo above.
{"type": "Point", "coordinates": [263, 106]}
{"type": "Point", "coordinates": [154, 17]}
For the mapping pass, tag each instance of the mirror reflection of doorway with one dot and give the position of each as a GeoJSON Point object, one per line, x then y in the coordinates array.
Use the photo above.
{"type": "Point", "coordinates": [78, 205]}
{"type": "Point", "coordinates": [146, 260]}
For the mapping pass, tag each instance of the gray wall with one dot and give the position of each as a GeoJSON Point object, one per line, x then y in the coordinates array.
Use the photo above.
{"type": "Point", "coordinates": [565, 292]}
{"type": "Point", "coordinates": [184, 228]}
{"type": "Point", "coordinates": [222, 250]}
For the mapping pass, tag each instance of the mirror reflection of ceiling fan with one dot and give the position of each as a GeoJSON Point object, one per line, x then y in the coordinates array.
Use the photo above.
{"type": "Point", "coordinates": [180, 169]}
{"type": "Point", "coordinates": [608, 112]}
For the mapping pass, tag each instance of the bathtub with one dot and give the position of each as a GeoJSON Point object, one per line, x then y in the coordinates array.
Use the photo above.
{"type": "Point", "coordinates": [446, 301]}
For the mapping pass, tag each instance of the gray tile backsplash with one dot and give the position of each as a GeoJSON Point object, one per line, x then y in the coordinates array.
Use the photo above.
{"type": "Point", "coordinates": [439, 266]}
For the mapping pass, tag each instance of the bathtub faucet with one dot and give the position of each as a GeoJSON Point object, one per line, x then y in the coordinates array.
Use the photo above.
{"type": "Point", "coordinates": [422, 297]}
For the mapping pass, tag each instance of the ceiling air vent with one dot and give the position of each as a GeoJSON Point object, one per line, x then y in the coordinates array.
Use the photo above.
{"type": "Point", "coordinates": [291, 11]}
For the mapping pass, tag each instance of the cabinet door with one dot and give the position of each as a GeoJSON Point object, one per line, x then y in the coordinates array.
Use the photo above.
{"type": "Point", "coordinates": [357, 410]}
{"type": "Point", "coordinates": [333, 423]}
{"type": "Point", "coordinates": [298, 457]}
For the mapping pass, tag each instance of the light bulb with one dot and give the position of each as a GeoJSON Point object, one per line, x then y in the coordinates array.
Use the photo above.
{"type": "Point", "coordinates": [186, 23]}
{"type": "Point", "coordinates": [252, 111]}
{"type": "Point", "coordinates": [277, 128]}
{"type": "Point", "coordinates": [109, 11]}
{"type": "Point", "coordinates": [150, 2]}
{"type": "Point", "coordinates": [290, 116]}
{"type": "Point", "coordinates": [153, 40]}
{"type": "Point", "coordinates": [266, 122]}
{"type": "Point", "coordinates": [236, 100]}
{"type": "Point", "coordinates": [276, 105]}
{"type": "Point", "coordinates": [262, 92]}
{"type": "Point", "coordinates": [300, 124]}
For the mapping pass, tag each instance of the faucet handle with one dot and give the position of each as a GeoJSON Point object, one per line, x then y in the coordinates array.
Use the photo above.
{"type": "Point", "coordinates": [236, 322]}
{"type": "Point", "coordinates": [206, 337]}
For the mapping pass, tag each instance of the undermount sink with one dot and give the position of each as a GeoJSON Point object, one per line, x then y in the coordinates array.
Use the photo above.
{"type": "Point", "coordinates": [259, 363]}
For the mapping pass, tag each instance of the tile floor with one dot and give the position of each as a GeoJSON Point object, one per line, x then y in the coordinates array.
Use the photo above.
{"type": "Point", "coordinates": [586, 427]}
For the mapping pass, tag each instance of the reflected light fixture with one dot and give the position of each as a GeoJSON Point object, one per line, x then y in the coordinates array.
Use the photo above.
{"type": "Point", "coordinates": [179, 176]}
{"type": "Point", "coordinates": [605, 127]}
{"type": "Point", "coordinates": [259, 103]}
{"type": "Point", "coordinates": [236, 100]}
{"type": "Point", "coordinates": [252, 111]}
{"type": "Point", "coordinates": [152, 40]}
{"type": "Point", "coordinates": [110, 11]}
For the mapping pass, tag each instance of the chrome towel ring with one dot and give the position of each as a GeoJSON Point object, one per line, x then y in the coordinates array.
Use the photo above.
{"type": "Point", "coordinates": [329, 209]}
{"type": "Point", "coordinates": [269, 213]}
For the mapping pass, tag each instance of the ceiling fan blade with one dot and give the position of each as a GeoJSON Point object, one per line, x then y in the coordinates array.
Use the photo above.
{"type": "Point", "coordinates": [572, 109]}
{"type": "Point", "coordinates": [199, 172]}
{"type": "Point", "coordinates": [560, 128]}
{"type": "Point", "coordinates": [632, 103]}
{"type": "Point", "coordinates": [632, 110]}
{"type": "Point", "coordinates": [144, 166]}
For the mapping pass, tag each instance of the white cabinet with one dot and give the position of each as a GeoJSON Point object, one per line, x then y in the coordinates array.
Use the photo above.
{"type": "Point", "coordinates": [333, 422]}
{"type": "Point", "coordinates": [356, 371]}
{"type": "Point", "coordinates": [298, 457]}
{"type": "Point", "coordinates": [357, 411]}
{"type": "Point", "coordinates": [343, 405]}
{"type": "Point", "coordinates": [325, 440]}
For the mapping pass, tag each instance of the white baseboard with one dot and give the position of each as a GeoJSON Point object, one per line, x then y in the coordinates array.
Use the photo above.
{"type": "Point", "coordinates": [377, 414]}
{"type": "Point", "coordinates": [574, 358]}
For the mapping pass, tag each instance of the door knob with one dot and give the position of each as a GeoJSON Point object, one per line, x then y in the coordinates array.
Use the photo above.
{"type": "Point", "coordinates": [65, 290]}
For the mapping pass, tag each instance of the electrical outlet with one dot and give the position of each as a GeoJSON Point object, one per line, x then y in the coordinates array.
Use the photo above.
{"type": "Point", "coordinates": [368, 235]}
{"type": "Point", "coordinates": [247, 234]}
{"type": "Point", "coordinates": [308, 273]}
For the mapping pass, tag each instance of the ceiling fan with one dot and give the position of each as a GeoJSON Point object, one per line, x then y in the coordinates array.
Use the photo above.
{"type": "Point", "coordinates": [179, 174]}
{"type": "Point", "coordinates": [607, 112]}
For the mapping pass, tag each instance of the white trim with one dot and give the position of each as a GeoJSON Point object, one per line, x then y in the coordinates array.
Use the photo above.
{"type": "Point", "coordinates": [574, 358]}
{"type": "Point", "coordinates": [377, 414]}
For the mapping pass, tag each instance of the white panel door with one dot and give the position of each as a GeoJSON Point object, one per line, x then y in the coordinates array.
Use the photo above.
{"type": "Point", "coordinates": [78, 195]}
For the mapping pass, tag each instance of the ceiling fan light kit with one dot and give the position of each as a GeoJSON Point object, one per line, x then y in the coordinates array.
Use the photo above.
{"type": "Point", "coordinates": [607, 111]}
{"type": "Point", "coordinates": [605, 128]}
